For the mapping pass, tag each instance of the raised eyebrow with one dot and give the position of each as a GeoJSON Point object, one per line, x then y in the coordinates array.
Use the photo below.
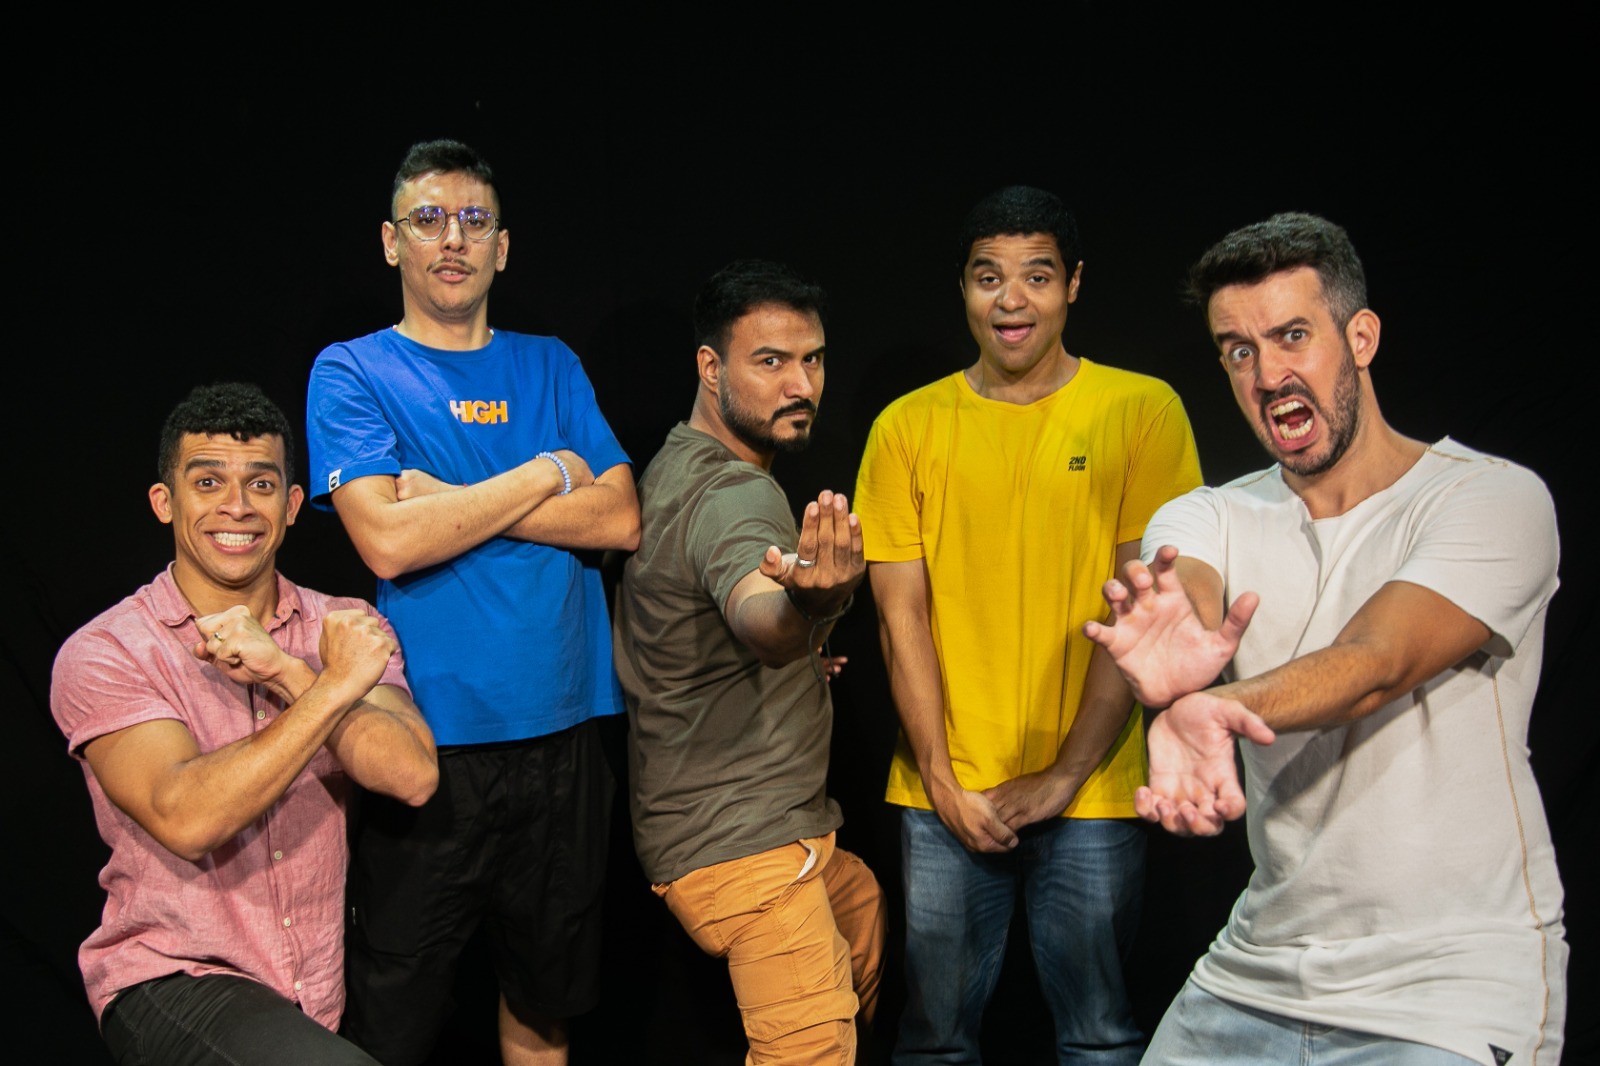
{"type": "Point", "coordinates": [1042, 261]}
{"type": "Point", "coordinates": [255, 466]}
{"type": "Point", "coordinates": [1298, 322]}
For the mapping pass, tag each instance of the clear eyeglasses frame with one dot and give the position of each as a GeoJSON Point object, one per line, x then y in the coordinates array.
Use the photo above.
{"type": "Point", "coordinates": [428, 222]}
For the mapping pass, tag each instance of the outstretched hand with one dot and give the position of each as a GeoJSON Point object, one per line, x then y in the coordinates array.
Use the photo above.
{"type": "Point", "coordinates": [829, 560]}
{"type": "Point", "coordinates": [1155, 637]}
{"type": "Point", "coordinates": [1194, 785]}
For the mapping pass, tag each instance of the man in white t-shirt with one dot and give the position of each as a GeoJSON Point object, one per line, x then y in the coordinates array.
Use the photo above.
{"type": "Point", "coordinates": [1376, 608]}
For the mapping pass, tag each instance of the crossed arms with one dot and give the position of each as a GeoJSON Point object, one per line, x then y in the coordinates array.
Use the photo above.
{"type": "Point", "coordinates": [1170, 637]}
{"type": "Point", "coordinates": [193, 802]}
{"type": "Point", "coordinates": [400, 524]}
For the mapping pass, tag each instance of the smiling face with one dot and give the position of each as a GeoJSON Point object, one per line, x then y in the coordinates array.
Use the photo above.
{"type": "Point", "coordinates": [229, 506]}
{"type": "Point", "coordinates": [770, 382]}
{"type": "Point", "coordinates": [446, 280]}
{"type": "Point", "coordinates": [1017, 291]}
{"type": "Point", "coordinates": [1298, 378]}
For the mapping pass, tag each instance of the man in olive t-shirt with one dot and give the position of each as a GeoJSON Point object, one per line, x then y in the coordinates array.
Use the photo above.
{"type": "Point", "coordinates": [721, 618]}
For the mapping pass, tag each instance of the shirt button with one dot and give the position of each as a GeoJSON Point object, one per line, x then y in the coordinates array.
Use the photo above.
{"type": "Point", "coordinates": [286, 922]}
{"type": "Point", "coordinates": [261, 714]}
{"type": "Point", "coordinates": [298, 985]}
{"type": "Point", "coordinates": [277, 855]}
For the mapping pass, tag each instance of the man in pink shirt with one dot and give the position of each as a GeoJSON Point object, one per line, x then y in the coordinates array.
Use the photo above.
{"type": "Point", "coordinates": [217, 713]}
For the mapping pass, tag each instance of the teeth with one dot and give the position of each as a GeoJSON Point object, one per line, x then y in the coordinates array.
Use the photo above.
{"type": "Point", "coordinates": [1284, 408]}
{"type": "Point", "coordinates": [234, 540]}
{"type": "Point", "coordinates": [1297, 433]}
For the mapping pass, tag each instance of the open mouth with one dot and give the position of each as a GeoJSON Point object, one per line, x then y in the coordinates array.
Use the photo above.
{"type": "Point", "coordinates": [1292, 420]}
{"type": "Point", "coordinates": [1014, 333]}
{"type": "Point", "coordinates": [235, 540]}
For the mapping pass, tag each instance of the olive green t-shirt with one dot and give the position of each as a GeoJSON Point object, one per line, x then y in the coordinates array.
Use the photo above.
{"type": "Point", "coordinates": [727, 758]}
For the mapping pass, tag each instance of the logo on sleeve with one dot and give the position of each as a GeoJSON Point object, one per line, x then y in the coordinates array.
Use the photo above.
{"type": "Point", "coordinates": [1078, 463]}
{"type": "Point", "coordinates": [1501, 1055]}
{"type": "Point", "coordinates": [333, 478]}
{"type": "Point", "coordinates": [482, 412]}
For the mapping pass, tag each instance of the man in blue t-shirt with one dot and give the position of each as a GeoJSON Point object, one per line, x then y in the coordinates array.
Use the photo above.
{"type": "Point", "coordinates": [479, 481]}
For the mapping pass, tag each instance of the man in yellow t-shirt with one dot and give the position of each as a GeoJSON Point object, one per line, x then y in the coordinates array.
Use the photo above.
{"type": "Point", "coordinates": [996, 502]}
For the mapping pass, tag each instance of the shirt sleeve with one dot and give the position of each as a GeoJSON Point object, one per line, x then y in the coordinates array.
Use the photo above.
{"type": "Point", "coordinates": [1192, 523]}
{"type": "Point", "coordinates": [885, 499]}
{"type": "Point", "coordinates": [98, 687]}
{"type": "Point", "coordinates": [734, 522]}
{"type": "Point", "coordinates": [1163, 464]}
{"type": "Point", "coordinates": [1490, 547]}
{"type": "Point", "coordinates": [347, 435]}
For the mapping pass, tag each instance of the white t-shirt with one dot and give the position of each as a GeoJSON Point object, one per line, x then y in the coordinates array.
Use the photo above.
{"type": "Point", "coordinates": [1404, 881]}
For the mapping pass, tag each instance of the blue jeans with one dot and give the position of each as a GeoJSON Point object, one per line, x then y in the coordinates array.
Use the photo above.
{"type": "Point", "coordinates": [217, 1020]}
{"type": "Point", "coordinates": [1081, 880]}
{"type": "Point", "coordinates": [1199, 1030]}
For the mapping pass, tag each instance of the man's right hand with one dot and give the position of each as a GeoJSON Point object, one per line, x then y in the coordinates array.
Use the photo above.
{"type": "Point", "coordinates": [972, 817]}
{"type": "Point", "coordinates": [830, 542]}
{"type": "Point", "coordinates": [1155, 637]}
{"type": "Point", "coordinates": [577, 469]}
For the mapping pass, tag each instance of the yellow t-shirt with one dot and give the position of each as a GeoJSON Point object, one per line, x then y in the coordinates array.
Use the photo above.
{"type": "Point", "coordinates": [1018, 511]}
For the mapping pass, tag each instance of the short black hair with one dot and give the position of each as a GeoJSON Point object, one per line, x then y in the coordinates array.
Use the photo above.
{"type": "Point", "coordinates": [442, 156]}
{"type": "Point", "coordinates": [1285, 241]}
{"type": "Point", "coordinates": [1018, 210]}
{"type": "Point", "coordinates": [741, 287]}
{"type": "Point", "coordinates": [237, 408]}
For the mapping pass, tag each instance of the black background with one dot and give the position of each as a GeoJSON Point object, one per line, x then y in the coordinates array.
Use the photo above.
{"type": "Point", "coordinates": [202, 210]}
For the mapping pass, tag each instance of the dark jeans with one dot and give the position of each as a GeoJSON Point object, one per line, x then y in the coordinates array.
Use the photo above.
{"type": "Point", "coordinates": [209, 1021]}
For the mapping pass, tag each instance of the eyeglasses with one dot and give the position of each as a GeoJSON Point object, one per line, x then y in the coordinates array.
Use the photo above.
{"type": "Point", "coordinates": [428, 222]}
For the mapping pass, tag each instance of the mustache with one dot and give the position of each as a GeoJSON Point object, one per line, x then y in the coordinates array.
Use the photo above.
{"type": "Point", "coordinates": [1293, 388]}
{"type": "Point", "coordinates": [798, 407]}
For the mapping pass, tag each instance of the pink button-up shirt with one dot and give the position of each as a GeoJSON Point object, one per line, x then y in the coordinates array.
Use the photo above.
{"type": "Point", "coordinates": [268, 904]}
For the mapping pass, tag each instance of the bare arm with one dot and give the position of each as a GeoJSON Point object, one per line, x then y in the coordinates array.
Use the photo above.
{"type": "Point", "coordinates": [760, 610]}
{"type": "Point", "coordinates": [601, 515]}
{"type": "Point", "coordinates": [905, 629]}
{"type": "Point", "coordinates": [598, 515]}
{"type": "Point", "coordinates": [1402, 637]}
{"type": "Point", "coordinates": [193, 802]}
{"type": "Point", "coordinates": [396, 530]}
{"type": "Point", "coordinates": [1102, 715]}
{"type": "Point", "coordinates": [385, 746]}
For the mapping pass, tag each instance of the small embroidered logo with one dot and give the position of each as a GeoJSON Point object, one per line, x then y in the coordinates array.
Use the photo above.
{"type": "Point", "coordinates": [333, 478]}
{"type": "Point", "coordinates": [1501, 1055]}
{"type": "Point", "coordinates": [1078, 463]}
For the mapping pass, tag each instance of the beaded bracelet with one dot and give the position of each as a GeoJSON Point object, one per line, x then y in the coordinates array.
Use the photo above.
{"type": "Point", "coordinates": [566, 478]}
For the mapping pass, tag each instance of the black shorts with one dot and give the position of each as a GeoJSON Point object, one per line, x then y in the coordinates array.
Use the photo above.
{"type": "Point", "coordinates": [516, 837]}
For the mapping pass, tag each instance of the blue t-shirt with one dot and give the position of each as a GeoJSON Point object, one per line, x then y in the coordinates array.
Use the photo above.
{"type": "Point", "coordinates": [510, 639]}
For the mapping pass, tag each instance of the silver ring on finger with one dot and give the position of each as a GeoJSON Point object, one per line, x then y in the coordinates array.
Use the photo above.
{"type": "Point", "coordinates": [805, 563]}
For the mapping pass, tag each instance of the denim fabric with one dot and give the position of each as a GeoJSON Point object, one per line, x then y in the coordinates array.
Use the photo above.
{"type": "Point", "coordinates": [1200, 1030]}
{"type": "Point", "coordinates": [1081, 881]}
{"type": "Point", "coordinates": [218, 1020]}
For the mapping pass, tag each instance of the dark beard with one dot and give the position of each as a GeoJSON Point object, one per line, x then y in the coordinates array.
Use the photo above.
{"type": "Point", "coordinates": [757, 434]}
{"type": "Point", "coordinates": [1341, 420]}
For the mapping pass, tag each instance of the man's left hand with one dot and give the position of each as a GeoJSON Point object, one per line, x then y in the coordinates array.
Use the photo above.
{"type": "Point", "coordinates": [1031, 798]}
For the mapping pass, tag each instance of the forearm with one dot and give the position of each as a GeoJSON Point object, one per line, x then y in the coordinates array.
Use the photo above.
{"type": "Point", "coordinates": [1330, 687]}
{"type": "Point", "coordinates": [1400, 639]}
{"type": "Point", "coordinates": [600, 516]}
{"type": "Point", "coordinates": [386, 747]}
{"type": "Point", "coordinates": [395, 536]}
{"type": "Point", "coordinates": [917, 688]}
{"type": "Point", "coordinates": [772, 627]}
{"type": "Point", "coordinates": [1102, 715]}
{"type": "Point", "coordinates": [202, 803]}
